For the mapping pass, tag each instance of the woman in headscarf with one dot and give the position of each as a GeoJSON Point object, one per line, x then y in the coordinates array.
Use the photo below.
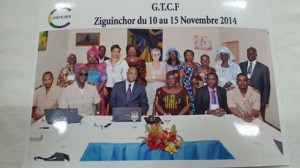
{"type": "Point", "coordinates": [173, 59]}
{"type": "Point", "coordinates": [155, 76]}
{"type": "Point", "coordinates": [67, 74]}
{"type": "Point", "coordinates": [135, 61]}
{"type": "Point", "coordinates": [226, 69]}
{"type": "Point", "coordinates": [172, 98]}
{"type": "Point", "coordinates": [186, 71]}
{"type": "Point", "coordinates": [96, 75]}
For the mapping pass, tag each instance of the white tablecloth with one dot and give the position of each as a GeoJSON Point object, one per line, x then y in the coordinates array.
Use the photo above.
{"type": "Point", "coordinates": [250, 143]}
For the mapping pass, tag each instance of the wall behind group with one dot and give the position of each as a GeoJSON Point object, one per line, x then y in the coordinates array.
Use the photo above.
{"type": "Point", "coordinates": [62, 43]}
{"type": "Point", "coordinates": [108, 37]}
{"type": "Point", "coordinates": [258, 39]}
{"type": "Point", "coordinates": [183, 38]}
{"type": "Point", "coordinates": [54, 58]}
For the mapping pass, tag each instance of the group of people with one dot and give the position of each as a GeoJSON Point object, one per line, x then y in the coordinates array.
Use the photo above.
{"type": "Point", "coordinates": [174, 86]}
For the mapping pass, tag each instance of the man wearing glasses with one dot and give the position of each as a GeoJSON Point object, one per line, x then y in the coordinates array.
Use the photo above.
{"type": "Point", "coordinates": [80, 95]}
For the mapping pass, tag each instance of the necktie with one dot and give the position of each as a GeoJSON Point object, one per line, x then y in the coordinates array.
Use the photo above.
{"type": "Point", "coordinates": [213, 96]}
{"type": "Point", "coordinates": [128, 92]}
{"type": "Point", "coordinates": [249, 71]}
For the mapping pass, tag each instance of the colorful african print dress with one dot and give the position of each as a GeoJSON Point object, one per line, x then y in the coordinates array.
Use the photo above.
{"type": "Point", "coordinates": [188, 73]}
{"type": "Point", "coordinates": [66, 76]}
{"type": "Point", "coordinates": [140, 65]}
{"type": "Point", "coordinates": [95, 77]}
{"type": "Point", "coordinates": [172, 103]}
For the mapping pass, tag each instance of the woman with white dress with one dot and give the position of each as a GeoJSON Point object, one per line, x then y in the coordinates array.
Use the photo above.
{"type": "Point", "coordinates": [155, 76]}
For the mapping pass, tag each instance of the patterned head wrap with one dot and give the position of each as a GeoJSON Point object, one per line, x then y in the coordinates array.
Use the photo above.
{"type": "Point", "coordinates": [174, 72]}
{"type": "Point", "coordinates": [93, 51]}
{"type": "Point", "coordinates": [226, 51]}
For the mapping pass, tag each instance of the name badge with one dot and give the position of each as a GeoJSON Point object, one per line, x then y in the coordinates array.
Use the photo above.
{"type": "Point", "coordinates": [249, 76]}
{"type": "Point", "coordinates": [214, 106]}
{"type": "Point", "coordinates": [71, 77]}
{"type": "Point", "coordinates": [223, 79]}
{"type": "Point", "coordinates": [113, 80]}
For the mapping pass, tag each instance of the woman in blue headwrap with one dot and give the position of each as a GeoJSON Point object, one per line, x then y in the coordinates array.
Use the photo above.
{"type": "Point", "coordinates": [173, 59]}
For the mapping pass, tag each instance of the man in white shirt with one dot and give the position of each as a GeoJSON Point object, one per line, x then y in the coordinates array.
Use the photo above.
{"type": "Point", "coordinates": [81, 95]}
{"type": "Point", "coordinates": [45, 97]}
{"type": "Point", "coordinates": [244, 101]}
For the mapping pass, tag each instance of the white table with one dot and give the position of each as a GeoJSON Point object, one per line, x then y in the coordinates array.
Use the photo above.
{"type": "Point", "coordinates": [251, 144]}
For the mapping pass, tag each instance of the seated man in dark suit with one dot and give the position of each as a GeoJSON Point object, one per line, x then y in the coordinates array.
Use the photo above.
{"type": "Point", "coordinates": [129, 93]}
{"type": "Point", "coordinates": [211, 99]}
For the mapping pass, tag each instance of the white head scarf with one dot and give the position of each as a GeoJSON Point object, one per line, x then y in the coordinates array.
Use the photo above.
{"type": "Point", "coordinates": [226, 51]}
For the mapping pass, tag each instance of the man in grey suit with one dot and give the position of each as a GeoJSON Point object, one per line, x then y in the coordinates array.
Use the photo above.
{"type": "Point", "coordinates": [259, 76]}
{"type": "Point", "coordinates": [129, 93]}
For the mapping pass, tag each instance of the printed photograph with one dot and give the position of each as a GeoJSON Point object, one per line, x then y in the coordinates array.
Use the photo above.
{"type": "Point", "coordinates": [205, 94]}
{"type": "Point", "coordinates": [87, 39]}
{"type": "Point", "coordinates": [202, 43]}
{"type": "Point", "coordinates": [43, 41]}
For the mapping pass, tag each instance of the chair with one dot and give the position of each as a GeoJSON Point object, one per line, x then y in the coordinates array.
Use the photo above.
{"type": "Point", "coordinates": [154, 112]}
{"type": "Point", "coordinates": [107, 109]}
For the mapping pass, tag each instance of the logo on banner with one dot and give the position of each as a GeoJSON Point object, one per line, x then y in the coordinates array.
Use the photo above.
{"type": "Point", "coordinates": [59, 18]}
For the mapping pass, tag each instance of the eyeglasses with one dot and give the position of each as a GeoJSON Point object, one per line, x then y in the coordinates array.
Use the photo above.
{"type": "Point", "coordinates": [155, 55]}
{"type": "Point", "coordinates": [81, 74]}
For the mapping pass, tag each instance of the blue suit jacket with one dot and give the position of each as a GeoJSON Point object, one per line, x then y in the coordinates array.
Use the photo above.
{"type": "Point", "coordinates": [138, 97]}
{"type": "Point", "coordinates": [260, 79]}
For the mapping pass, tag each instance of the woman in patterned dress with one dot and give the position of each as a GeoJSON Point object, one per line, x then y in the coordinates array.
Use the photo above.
{"type": "Point", "coordinates": [67, 74]}
{"type": "Point", "coordinates": [186, 71]}
{"type": "Point", "coordinates": [134, 61]}
{"type": "Point", "coordinates": [200, 76]}
{"type": "Point", "coordinates": [96, 75]}
{"type": "Point", "coordinates": [172, 98]}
